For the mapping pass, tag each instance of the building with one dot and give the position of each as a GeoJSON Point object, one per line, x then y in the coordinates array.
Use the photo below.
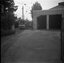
{"type": "Point", "coordinates": [49, 19]}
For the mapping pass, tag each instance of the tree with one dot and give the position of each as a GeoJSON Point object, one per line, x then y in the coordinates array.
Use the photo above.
{"type": "Point", "coordinates": [7, 20]}
{"type": "Point", "coordinates": [36, 6]}
{"type": "Point", "coordinates": [8, 5]}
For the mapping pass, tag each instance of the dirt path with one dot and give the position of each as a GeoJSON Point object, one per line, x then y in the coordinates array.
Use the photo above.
{"type": "Point", "coordinates": [34, 46]}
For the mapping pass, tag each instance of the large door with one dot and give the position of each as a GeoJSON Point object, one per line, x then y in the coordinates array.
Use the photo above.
{"type": "Point", "coordinates": [55, 22]}
{"type": "Point", "coordinates": [41, 22]}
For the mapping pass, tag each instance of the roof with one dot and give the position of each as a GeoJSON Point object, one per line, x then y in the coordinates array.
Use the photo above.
{"type": "Point", "coordinates": [57, 7]}
{"type": "Point", "coordinates": [60, 6]}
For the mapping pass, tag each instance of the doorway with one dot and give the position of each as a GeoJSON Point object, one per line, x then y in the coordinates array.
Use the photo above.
{"type": "Point", "coordinates": [41, 22]}
{"type": "Point", "coordinates": [55, 22]}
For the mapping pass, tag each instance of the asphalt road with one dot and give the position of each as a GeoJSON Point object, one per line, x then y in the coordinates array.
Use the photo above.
{"type": "Point", "coordinates": [33, 46]}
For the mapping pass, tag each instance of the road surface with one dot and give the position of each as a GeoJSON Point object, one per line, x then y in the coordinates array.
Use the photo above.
{"type": "Point", "coordinates": [33, 46]}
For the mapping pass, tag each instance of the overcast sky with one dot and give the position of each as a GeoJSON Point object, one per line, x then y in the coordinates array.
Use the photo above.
{"type": "Point", "coordinates": [46, 4]}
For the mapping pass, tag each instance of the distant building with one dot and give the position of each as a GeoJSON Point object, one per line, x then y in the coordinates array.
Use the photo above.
{"type": "Point", "coordinates": [49, 19]}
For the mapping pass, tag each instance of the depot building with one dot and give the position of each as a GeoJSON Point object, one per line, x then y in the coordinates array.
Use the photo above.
{"type": "Point", "coordinates": [49, 19]}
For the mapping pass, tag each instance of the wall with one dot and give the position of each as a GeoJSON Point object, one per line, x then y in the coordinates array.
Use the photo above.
{"type": "Point", "coordinates": [47, 13]}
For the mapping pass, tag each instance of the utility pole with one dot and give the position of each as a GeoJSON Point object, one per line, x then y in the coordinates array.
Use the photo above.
{"type": "Point", "coordinates": [23, 12]}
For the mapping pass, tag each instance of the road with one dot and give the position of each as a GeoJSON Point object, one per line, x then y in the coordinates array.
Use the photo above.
{"type": "Point", "coordinates": [33, 46]}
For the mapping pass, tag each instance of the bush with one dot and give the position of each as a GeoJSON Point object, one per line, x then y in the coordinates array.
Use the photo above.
{"type": "Point", "coordinates": [7, 21]}
{"type": "Point", "coordinates": [7, 32]}
{"type": "Point", "coordinates": [16, 24]}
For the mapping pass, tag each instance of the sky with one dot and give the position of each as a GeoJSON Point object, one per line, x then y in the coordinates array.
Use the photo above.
{"type": "Point", "coordinates": [46, 4]}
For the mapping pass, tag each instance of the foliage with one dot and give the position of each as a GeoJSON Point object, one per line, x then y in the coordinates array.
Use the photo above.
{"type": "Point", "coordinates": [8, 5]}
{"type": "Point", "coordinates": [16, 24]}
{"type": "Point", "coordinates": [7, 32]}
{"type": "Point", "coordinates": [36, 6]}
{"type": "Point", "coordinates": [21, 21]}
{"type": "Point", "coordinates": [28, 24]}
{"type": "Point", "coordinates": [8, 19]}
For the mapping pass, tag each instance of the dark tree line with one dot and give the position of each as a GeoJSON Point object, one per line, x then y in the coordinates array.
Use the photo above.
{"type": "Point", "coordinates": [7, 16]}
